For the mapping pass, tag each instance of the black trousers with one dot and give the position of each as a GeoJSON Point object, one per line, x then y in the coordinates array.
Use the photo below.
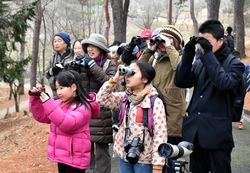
{"type": "Point", "coordinates": [214, 160]}
{"type": "Point", "coordinates": [63, 168]}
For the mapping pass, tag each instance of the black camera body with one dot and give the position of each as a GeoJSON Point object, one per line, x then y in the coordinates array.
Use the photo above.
{"type": "Point", "coordinates": [76, 64]}
{"type": "Point", "coordinates": [156, 40]}
{"type": "Point", "coordinates": [133, 149]}
{"type": "Point", "coordinates": [79, 60]}
{"type": "Point", "coordinates": [126, 71]}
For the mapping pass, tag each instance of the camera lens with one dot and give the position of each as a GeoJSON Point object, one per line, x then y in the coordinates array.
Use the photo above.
{"type": "Point", "coordinates": [165, 150]}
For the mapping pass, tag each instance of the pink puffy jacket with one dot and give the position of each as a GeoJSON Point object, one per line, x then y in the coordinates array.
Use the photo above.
{"type": "Point", "coordinates": [69, 137]}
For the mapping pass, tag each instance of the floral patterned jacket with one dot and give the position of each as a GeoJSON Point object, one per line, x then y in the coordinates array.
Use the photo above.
{"type": "Point", "coordinates": [107, 97]}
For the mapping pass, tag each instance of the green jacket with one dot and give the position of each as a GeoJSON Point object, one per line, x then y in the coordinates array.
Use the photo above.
{"type": "Point", "coordinates": [165, 67]}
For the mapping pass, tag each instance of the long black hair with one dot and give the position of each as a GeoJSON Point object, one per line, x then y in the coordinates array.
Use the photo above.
{"type": "Point", "coordinates": [148, 72]}
{"type": "Point", "coordinates": [66, 79]}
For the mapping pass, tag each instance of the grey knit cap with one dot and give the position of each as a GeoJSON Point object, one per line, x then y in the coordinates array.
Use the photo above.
{"type": "Point", "coordinates": [97, 40]}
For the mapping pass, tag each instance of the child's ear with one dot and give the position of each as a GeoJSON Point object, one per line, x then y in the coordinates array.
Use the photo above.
{"type": "Point", "coordinates": [144, 80]}
{"type": "Point", "coordinates": [73, 86]}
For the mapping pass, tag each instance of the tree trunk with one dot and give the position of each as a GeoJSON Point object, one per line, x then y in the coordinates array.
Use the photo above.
{"type": "Point", "coordinates": [35, 43]}
{"type": "Point", "coordinates": [89, 8]}
{"type": "Point", "coordinates": [83, 19]}
{"type": "Point", "coordinates": [107, 17]}
{"type": "Point", "coordinates": [43, 52]}
{"type": "Point", "coordinates": [120, 14]}
{"type": "Point", "coordinates": [239, 38]}
{"type": "Point", "coordinates": [21, 56]}
{"type": "Point", "coordinates": [213, 8]}
{"type": "Point", "coordinates": [17, 105]}
{"type": "Point", "coordinates": [170, 5]}
{"type": "Point", "coordinates": [15, 95]}
{"type": "Point", "coordinates": [195, 22]}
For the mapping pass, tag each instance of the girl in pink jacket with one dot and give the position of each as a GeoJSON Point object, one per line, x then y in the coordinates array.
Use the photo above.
{"type": "Point", "coordinates": [69, 138]}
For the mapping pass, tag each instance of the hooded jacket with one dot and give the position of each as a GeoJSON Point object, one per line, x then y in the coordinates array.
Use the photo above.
{"type": "Point", "coordinates": [165, 67]}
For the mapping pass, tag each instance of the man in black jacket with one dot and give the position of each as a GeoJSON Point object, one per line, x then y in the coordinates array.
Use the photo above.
{"type": "Point", "coordinates": [208, 124]}
{"type": "Point", "coordinates": [229, 38]}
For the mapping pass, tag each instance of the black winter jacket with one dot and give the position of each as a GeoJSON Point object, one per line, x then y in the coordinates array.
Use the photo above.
{"type": "Point", "coordinates": [92, 80]}
{"type": "Point", "coordinates": [208, 115]}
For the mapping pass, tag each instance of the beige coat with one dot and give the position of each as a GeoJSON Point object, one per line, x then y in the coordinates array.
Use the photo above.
{"type": "Point", "coordinates": [165, 67]}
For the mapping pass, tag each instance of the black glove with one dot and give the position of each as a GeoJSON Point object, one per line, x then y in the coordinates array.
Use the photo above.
{"type": "Point", "coordinates": [90, 62]}
{"type": "Point", "coordinates": [134, 41]}
{"type": "Point", "coordinates": [58, 67]}
{"type": "Point", "coordinates": [205, 44]}
{"type": "Point", "coordinates": [190, 46]}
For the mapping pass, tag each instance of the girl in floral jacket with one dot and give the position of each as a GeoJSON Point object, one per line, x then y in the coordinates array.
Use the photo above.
{"type": "Point", "coordinates": [69, 138]}
{"type": "Point", "coordinates": [137, 79]}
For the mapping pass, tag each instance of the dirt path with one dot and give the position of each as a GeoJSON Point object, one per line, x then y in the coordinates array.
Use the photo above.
{"type": "Point", "coordinates": [23, 147]}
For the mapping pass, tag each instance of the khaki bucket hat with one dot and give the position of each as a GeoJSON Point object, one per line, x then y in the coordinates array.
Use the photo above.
{"type": "Point", "coordinates": [97, 40]}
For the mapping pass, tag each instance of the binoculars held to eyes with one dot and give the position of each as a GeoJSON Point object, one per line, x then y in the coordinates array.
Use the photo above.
{"type": "Point", "coordinates": [126, 71]}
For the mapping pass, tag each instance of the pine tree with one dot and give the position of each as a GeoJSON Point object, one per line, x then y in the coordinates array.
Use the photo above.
{"type": "Point", "coordinates": [12, 27]}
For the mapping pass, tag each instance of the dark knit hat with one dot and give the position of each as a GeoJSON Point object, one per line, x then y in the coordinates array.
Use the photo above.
{"type": "Point", "coordinates": [172, 31]}
{"type": "Point", "coordinates": [97, 40]}
{"type": "Point", "coordinates": [65, 36]}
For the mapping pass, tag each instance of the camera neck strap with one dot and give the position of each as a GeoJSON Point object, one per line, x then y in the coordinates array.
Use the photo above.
{"type": "Point", "coordinates": [145, 120]}
{"type": "Point", "coordinates": [127, 129]}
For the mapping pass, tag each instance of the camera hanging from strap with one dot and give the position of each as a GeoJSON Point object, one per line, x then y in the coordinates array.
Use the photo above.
{"type": "Point", "coordinates": [127, 129]}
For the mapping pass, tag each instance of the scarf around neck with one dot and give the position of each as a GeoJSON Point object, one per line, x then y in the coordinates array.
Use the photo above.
{"type": "Point", "coordinates": [98, 59]}
{"type": "Point", "coordinates": [136, 98]}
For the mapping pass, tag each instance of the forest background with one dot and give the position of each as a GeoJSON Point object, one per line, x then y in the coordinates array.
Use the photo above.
{"type": "Point", "coordinates": [27, 28]}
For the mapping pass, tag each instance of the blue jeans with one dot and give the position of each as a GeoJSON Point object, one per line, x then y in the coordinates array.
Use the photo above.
{"type": "Point", "coordinates": [126, 167]}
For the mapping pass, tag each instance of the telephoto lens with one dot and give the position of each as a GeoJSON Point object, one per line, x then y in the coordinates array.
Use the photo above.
{"type": "Point", "coordinates": [126, 71]}
{"type": "Point", "coordinates": [183, 149]}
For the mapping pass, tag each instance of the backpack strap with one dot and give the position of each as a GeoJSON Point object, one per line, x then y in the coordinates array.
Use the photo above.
{"type": "Point", "coordinates": [149, 114]}
{"type": "Point", "coordinates": [106, 65]}
{"type": "Point", "coordinates": [122, 109]}
{"type": "Point", "coordinates": [247, 73]}
{"type": "Point", "coordinates": [227, 61]}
